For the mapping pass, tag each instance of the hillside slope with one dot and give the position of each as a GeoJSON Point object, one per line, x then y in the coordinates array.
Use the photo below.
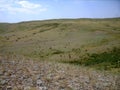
{"type": "Point", "coordinates": [65, 54]}
{"type": "Point", "coordinates": [60, 40]}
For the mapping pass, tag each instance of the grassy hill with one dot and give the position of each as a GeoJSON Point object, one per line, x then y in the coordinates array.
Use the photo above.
{"type": "Point", "coordinates": [88, 42]}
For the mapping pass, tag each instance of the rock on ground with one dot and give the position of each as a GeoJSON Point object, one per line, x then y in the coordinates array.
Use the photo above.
{"type": "Point", "coordinates": [18, 74]}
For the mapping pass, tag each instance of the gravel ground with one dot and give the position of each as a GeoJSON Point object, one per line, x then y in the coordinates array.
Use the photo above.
{"type": "Point", "coordinates": [41, 75]}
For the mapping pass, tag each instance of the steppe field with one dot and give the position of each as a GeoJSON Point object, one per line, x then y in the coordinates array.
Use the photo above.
{"type": "Point", "coordinates": [60, 54]}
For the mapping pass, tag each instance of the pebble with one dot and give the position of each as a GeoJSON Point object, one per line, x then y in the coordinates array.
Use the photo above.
{"type": "Point", "coordinates": [1, 73]}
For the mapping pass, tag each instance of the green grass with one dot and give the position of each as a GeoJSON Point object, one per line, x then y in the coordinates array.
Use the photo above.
{"type": "Point", "coordinates": [64, 40]}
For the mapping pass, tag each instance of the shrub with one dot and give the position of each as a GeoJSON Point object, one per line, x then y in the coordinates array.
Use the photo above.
{"type": "Point", "coordinates": [110, 59]}
{"type": "Point", "coordinates": [105, 60]}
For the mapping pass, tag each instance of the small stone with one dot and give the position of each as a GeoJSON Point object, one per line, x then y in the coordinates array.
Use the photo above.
{"type": "Point", "coordinates": [3, 82]}
{"type": "Point", "coordinates": [36, 68]}
{"type": "Point", "coordinates": [1, 73]}
{"type": "Point", "coordinates": [30, 81]}
{"type": "Point", "coordinates": [39, 82]}
{"type": "Point", "coordinates": [42, 88]}
{"type": "Point", "coordinates": [9, 87]}
{"type": "Point", "coordinates": [13, 76]}
{"type": "Point", "coordinates": [27, 88]}
{"type": "Point", "coordinates": [40, 85]}
{"type": "Point", "coordinates": [105, 84]}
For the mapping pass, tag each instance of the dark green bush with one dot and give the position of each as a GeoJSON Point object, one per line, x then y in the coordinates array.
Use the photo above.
{"type": "Point", "coordinates": [110, 59]}
{"type": "Point", "coordinates": [105, 60]}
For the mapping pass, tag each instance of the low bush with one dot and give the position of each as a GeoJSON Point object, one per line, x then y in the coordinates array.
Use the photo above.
{"type": "Point", "coordinates": [105, 60]}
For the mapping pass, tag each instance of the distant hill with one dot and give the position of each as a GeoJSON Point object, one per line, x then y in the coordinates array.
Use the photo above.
{"type": "Point", "coordinates": [35, 24]}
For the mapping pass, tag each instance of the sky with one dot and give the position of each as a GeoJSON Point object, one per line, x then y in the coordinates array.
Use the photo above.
{"type": "Point", "coordinates": [27, 10]}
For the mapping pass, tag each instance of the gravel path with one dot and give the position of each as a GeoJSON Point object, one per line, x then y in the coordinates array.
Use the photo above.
{"type": "Point", "coordinates": [34, 75]}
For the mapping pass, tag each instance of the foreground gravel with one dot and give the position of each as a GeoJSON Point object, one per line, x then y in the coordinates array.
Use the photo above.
{"type": "Point", "coordinates": [20, 74]}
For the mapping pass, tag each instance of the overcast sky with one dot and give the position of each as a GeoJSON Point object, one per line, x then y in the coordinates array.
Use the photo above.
{"type": "Point", "coordinates": [26, 10]}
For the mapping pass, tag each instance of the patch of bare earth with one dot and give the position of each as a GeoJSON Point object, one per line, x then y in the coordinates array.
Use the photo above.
{"type": "Point", "coordinates": [19, 74]}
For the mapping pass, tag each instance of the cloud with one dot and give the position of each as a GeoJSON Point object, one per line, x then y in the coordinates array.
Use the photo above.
{"type": "Point", "coordinates": [21, 6]}
{"type": "Point", "coordinates": [28, 5]}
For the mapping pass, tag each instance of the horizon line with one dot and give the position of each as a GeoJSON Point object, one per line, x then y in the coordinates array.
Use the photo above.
{"type": "Point", "coordinates": [100, 18]}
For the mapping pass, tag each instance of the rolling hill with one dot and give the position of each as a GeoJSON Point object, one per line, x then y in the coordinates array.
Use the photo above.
{"type": "Point", "coordinates": [60, 54]}
{"type": "Point", "coordinates": [61, 39]}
